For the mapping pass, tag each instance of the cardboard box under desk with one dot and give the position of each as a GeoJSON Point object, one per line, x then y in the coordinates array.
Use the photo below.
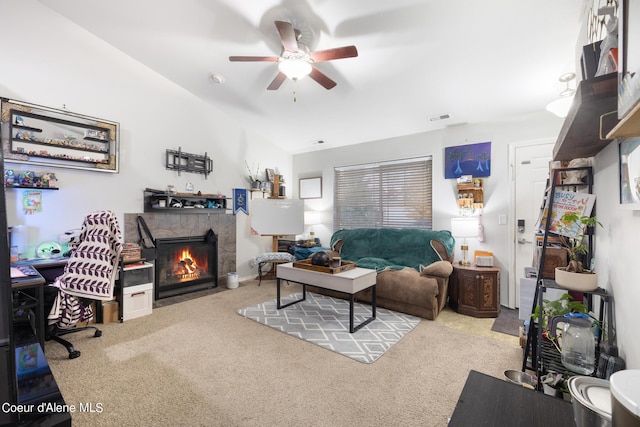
{"type": "Point", "coordinates": [110, 311]}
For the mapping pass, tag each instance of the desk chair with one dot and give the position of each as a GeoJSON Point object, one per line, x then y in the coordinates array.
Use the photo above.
{"type": "Point", "coordinates": [88, 275]}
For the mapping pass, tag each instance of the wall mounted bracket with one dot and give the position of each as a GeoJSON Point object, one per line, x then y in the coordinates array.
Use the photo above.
{"type": "Point", "coordinates": [194, 163]}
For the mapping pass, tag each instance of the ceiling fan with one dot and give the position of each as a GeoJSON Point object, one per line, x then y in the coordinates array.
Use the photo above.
{"type": "Point", "coordinates": [295, 61]}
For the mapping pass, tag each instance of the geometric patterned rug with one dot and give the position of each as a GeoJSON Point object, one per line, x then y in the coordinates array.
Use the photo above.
{"type": "Point", "coordinates": [324, 321]}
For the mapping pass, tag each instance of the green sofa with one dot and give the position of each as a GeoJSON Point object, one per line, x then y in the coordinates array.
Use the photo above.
{"type": "Point", "coordinates": [413, 266]}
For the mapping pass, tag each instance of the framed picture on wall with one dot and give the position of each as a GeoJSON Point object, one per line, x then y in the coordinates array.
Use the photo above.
{"type": "Point", "coordinates": [470, 159]}
{"type": "Point", "coordinates": [310, 188]}
{"type": "Point", "coordinates": [629, 165]}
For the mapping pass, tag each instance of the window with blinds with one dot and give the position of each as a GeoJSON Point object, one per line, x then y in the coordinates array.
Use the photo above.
{"type": "Point", "coordinates": [394, 194]}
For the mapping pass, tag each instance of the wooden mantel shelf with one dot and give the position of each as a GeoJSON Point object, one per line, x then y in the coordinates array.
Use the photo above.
{"type": "Point", "coordinates": [593, 114]}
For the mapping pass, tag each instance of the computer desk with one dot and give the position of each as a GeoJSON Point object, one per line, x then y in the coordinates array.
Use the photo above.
{"type": "Point", "coordinates": [29, 291]}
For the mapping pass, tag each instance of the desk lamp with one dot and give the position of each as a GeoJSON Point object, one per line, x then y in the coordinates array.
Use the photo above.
{"type": "Point", "coordinates": [464, 227]}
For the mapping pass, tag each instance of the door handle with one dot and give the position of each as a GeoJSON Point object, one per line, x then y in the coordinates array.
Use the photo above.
{"type": "Point", "coordinates": [522, 241]}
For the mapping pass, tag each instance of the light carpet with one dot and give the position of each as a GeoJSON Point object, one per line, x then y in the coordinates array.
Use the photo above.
{"type": "Point", "coordinates": [324, 321]}
{"type": "Point", "coordinates": [197, 363]}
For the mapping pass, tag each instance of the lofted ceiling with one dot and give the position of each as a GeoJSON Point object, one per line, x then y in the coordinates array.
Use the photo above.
{"type": "Point", "coordinates": [475, 61]}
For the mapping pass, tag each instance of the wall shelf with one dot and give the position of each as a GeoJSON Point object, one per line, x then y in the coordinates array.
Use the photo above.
{"type": "Point", "coordinates": [470, 198]}
{"type": "Point", "coordinates": [211, 203]}
{"type": "Point", "coordinates": [31, 188]}
{"type": "Point", "coordinates": [629, 126]}
{"type": "Point", "coordinates": [593, 114]}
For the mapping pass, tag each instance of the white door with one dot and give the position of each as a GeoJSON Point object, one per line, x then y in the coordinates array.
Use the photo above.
{"type": "Point", "coordinates": [530, 166]}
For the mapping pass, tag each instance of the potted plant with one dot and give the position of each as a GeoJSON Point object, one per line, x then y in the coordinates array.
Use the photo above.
{"type": "Point", "coordinates": [556, 384]}
{"type": "Point", "coordinates": [254, 178]}
{"type": "Point", "coordinates": [563, 305]}
{"type": "Point", "coordinates": [575, 276]}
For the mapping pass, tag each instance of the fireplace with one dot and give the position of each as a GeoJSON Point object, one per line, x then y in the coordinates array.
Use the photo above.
{"type": "Point", "coordinates": [186, 264]}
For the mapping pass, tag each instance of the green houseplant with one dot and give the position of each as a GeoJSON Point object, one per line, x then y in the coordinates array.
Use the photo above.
{"type": "Point", "coordinates": [575, 276]}
{"type": "Point", "coordinates": [551, 308]}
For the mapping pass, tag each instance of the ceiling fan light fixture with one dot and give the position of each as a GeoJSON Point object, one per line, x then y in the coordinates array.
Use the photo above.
{"type": "Point", "coordinates": [561, 106]}
{"type": "Point", "coordinates": [294, 68]}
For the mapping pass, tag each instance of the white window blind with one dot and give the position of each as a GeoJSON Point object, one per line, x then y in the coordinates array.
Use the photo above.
{"type": "Point", "coordinates": [394, 194]}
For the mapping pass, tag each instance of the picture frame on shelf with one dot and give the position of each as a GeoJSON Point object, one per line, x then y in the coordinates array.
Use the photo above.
{"type": "Point", "coordinates": [310, 188]}
{"type": "Point", "coordinates": [270, 174]}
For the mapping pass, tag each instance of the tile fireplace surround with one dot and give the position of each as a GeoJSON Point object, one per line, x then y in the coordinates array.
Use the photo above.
{"type": "Point", "coordinates": [164, 225]}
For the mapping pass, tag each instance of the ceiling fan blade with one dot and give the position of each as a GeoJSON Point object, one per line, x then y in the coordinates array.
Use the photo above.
{"type": "Point", "coordinates": [336, 53]}
{"type": "Point", "coordinates": [287, 35]}
{"type": "Point", "coordinates": [253, 58]}
{"type": "Point", "coordinates": [321, 78]}
{"type": "Point", "coordinates": [277, 82]}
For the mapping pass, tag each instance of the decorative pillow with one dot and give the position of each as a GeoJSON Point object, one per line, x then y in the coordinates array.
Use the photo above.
{"type": "Point", "coordinates": [438, 268]}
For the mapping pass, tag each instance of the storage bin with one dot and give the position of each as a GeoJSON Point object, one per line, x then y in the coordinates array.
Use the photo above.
{"type": "Point", "coordinates": [137, 274]}
{"type": "Point", "coordinates": [137, 301]}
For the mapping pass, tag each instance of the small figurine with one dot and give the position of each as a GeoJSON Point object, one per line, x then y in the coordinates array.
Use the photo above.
{"type": "Point", "coordinates": [44, 180]}
{"type": "Point", "coordinates": [9, 178]}
{"type": "Point", "coordinates": [26, 178]}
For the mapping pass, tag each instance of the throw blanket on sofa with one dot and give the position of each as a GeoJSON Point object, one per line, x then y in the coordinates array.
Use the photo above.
{"type": "Point", "coordinates": [391, 248]}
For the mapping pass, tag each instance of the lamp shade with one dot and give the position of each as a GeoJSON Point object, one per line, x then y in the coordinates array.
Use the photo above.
{"type": "Point", "coordinates": [464, 227]}
{"type": "Point", "coordinates": [560, 107]}
{"type": "Point", "coordinates": [312, 218]}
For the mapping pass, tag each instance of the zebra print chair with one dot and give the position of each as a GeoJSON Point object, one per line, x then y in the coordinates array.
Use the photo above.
{"type": "Point", "coordinates": [89, 275]}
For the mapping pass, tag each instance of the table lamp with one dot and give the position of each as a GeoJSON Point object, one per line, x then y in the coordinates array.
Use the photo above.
{"type": "Point", "coordinates": [312, 218]}
{"type": "Point", "coordinates": [464, 227]}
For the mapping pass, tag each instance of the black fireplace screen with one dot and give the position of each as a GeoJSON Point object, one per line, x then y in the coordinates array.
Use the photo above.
{"type": "Point", "coordinates": [186, 264]}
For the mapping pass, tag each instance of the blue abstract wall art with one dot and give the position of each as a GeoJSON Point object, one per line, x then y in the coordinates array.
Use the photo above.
{"type": "Point", "coordinates": [471, 159]}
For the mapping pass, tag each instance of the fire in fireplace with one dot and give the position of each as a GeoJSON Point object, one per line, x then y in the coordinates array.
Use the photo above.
{"type": "Point", "coordinates": [186, 264]}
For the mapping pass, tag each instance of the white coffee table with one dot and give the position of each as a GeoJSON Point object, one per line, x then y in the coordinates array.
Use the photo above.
{"type": "Point", "coordinates": [349, 282]}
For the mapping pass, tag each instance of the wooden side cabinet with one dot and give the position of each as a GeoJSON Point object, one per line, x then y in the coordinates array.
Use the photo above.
{"type": "Point", "coordinates": [475, 291]}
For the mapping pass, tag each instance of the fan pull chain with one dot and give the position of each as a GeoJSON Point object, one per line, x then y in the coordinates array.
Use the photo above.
{"type": "Point", "coordinates": [295, 99]}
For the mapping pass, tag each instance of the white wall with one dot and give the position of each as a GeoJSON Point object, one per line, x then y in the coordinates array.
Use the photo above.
{"type": "Point", "coordinates": [617, 254]}
{"type": "Point", "coordinates": [48, 60]}
{"type": "Point", "coordinates": [497, 186]}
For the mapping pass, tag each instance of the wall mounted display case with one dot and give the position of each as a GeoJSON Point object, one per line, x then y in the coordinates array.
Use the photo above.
{"type": "Point", "coordinates": [37, 135]}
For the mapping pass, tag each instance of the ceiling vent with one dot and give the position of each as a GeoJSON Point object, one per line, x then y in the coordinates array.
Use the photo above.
{"type": "Point", "coordinates": [439, 117]}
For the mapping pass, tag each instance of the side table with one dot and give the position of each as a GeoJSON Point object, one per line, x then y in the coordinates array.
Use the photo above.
{"type": "Point", "coordinates": [475, 291]}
